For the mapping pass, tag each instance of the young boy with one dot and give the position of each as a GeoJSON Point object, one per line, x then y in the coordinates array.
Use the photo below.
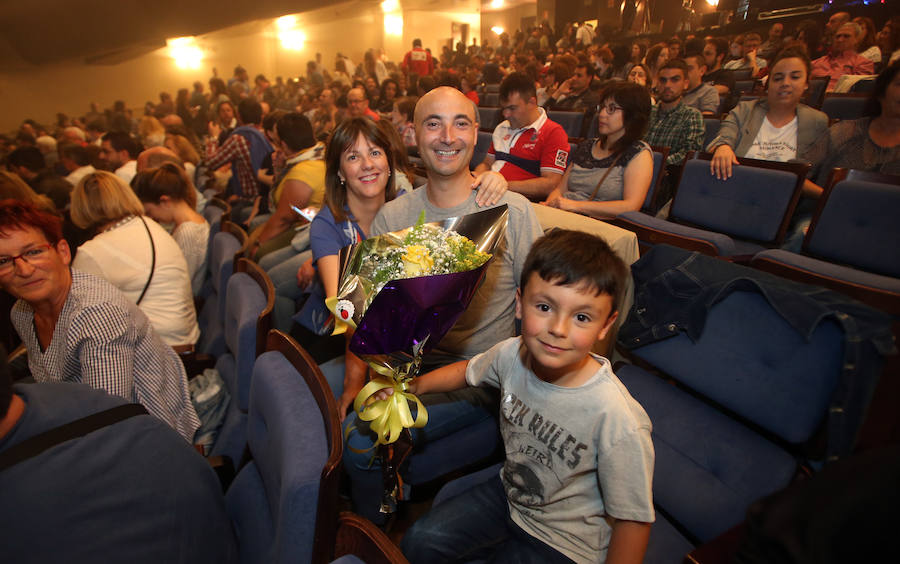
{"type": "Point", "coordinates": [576, 483]}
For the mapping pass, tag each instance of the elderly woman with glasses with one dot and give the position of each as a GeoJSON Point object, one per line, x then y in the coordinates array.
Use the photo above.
{"type": "Point", "coordinates": [79, 328]}
{"type": "Point", "coordinates": [611, 174]}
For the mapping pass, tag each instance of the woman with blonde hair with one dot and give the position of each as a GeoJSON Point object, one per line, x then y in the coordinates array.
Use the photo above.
{"type": "Point", "coordinates": [169, 197]}
{"type": "Point", "coordinates": [151, 132]}
{"type": "Point", "coordinates": [136, 255]}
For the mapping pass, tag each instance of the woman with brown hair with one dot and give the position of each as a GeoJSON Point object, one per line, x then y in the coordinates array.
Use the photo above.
{"type": "Point", "coordinates": [610, 174]}
{"type": "Point", "coordinates": [169, 197]}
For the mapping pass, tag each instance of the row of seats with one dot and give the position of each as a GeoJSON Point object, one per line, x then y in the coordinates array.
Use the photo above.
{"type": "Point", "coordinates": [751, 385]}
{"type": "Point", "coordinates": [281, 427]}
{"type": "Point", "coordinates": [743, 410]}
{"type": "Point", "coordinates": [850, 245]}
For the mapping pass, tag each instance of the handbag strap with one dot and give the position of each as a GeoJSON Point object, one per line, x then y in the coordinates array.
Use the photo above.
{"type": "Point", "coordinates": [605, 174]}
{"type": "Point", "coordinates": [33, 446]}
{"type": "Point", "coordinates": [152, 261]}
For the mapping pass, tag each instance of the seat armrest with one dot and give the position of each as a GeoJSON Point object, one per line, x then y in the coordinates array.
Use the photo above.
{"type": "Point", "coordinates": [195, 363]}
{"type": "Point", "coordinates": [720, 550]}
{"type": "Point", "coordinates": [224, 469]}
{"type": "Point", "coordinates": [360, 537]}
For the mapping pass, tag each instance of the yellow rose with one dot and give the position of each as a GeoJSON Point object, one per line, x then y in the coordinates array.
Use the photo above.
{"type": "Point", "coordinates": [417, 261]}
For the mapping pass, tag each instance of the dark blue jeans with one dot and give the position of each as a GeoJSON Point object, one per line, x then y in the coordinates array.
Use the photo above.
{"type": "Point", "coordinates": [447, 413]}
{"type": "Point", "coordinates": [475, 525]}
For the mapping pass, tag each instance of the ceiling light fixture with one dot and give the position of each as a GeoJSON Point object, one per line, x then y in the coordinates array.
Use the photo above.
{"type": "Point", "coordinates": [185, 51]}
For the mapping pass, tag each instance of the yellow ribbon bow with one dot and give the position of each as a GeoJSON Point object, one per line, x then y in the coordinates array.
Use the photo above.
{"type": "Point", "coordinates": [388, 417]}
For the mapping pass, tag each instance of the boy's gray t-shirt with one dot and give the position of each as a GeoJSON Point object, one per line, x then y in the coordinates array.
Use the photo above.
{"type": "Point", "coordinates": [573, 455]}
{"type": "Point", "coordinates": [490, 317]}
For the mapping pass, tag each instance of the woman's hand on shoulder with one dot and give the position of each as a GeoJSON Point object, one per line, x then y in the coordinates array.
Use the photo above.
{"type": "Point", "coordinates": [722, 161]}
{"type": "Point", "coordinates": [491, 186]}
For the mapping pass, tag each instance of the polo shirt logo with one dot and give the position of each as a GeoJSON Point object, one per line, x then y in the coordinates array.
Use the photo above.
{"type": "Point", "coordinates": [561, 158]}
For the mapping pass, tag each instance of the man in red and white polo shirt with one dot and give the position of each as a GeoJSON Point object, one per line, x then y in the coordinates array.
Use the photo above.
{"type": "Point", "coordinates": [528, 149]}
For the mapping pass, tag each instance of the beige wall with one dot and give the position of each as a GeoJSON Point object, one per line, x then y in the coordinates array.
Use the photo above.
{"type": "Point", "coordinates": [510, 20]}
{"type": "Point", "coordinates": [40, 92]}
{"type": "Point", "coordinates": [435, 29]}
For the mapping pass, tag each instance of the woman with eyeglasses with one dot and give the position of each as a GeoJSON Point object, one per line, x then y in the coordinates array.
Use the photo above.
{"type": "Point", "coordinates": [611, 174]}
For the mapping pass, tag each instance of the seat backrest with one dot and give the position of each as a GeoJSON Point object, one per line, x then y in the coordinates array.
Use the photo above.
{"type": "Point", "coordinates": [248, 318]}
{"type": "Point", "coordinates": [570, 121]}
{"type": "Point", "coordinates": [816, 93]}
{"type": "Point", "coordinates": [488, 118]}
{"type": "Point", "coordinates": [857, 224]}
{"type": "Point", "coordinates": [492, 99]}
{"type": "Point", "coordinates": [659, 161]}
{"type": "Point", "coordinates": [485, 138]}
{"type": "Point", "coordinates": [213, 214]}
{"type": "Point", "coordinates": [593, 129]}
{"type": "Point", "coordinates": [741, 74]}
{"type": "Point", "coordinates": [284, 503]}
{"type": "Point", "coordinates": [844, 106]}
{"type": "Point", "coordinates": [744, 85]}
{"type": "Point", "coordinates": [221, 262]}
{"type": "Point", "coordinates": [863, 86]}
{"type": "Point", "coordinates": [754, 204]}
{"type": "Point", "coordinates": [711, 125]}
{"type": "Point", "coordinates": [750, 390]}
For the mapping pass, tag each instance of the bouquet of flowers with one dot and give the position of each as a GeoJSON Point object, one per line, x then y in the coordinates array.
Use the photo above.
{"type": "Point", "coordinates": [400, 293]}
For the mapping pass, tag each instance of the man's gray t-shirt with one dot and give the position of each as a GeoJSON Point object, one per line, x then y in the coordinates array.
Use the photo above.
{"type": "Point", "coordinates": [705, 98]}
{"type": "Point", "coordinates": [574, 456]}
{"type": "Point", "coordinates": [490, 317]}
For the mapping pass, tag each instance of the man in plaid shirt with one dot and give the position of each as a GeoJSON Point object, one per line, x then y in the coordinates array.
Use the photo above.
{"type": "Point", "coordinates": [245, 148]}
{"type": "Point", "coordinates": [672, 123]}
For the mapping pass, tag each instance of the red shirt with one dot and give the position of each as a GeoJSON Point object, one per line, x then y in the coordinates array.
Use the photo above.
{"type": "Point", "coordinates": [543, 143]}
{"type": "Point", "coordinates": [418, 61]}
{"type": "Point", "coordinates": [472, 95]}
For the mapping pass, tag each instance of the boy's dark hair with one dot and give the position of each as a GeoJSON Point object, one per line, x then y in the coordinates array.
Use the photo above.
{"type": "Point", "coordinates": [572, 258]}
{"type": "Point", "coordinates": [519, 83]}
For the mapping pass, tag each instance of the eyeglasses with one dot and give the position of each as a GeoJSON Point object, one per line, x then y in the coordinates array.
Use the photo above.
{"type": "Point", "coordinates": [609, 109]}
{"type": "Point", "coordinates": [33, 256]}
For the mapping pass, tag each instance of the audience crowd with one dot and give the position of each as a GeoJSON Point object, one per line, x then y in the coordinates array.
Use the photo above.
{"type": "Point", "coordinates": [349, 143]}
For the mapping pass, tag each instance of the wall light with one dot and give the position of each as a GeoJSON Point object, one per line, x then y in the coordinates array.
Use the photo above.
{"type": "Point", "coordinates": [393, 24]}
{"type": "Point", "coordinates": [185, 51]}
{"type": "Point", "coordinates": [389, 6]}
{"type": "Point", "coordinates": [713, 3]}
{"type": "Point", "coordinates": [286, 23]}
{"type": "Point", "coordinates": [292, 39]}
{"type": "Point", "coordinates": [497, 29]}
{"type": "Point", "coordinates": [496, 4]}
